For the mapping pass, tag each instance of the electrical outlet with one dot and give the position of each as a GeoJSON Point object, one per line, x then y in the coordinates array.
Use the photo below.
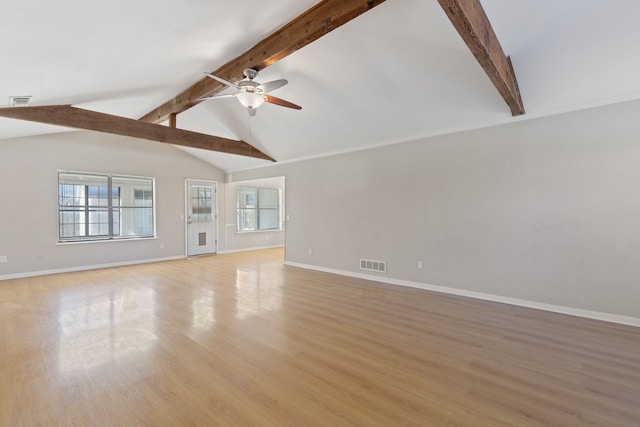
{"type": "Point", "coordinates": [310, 251]}
{"type": "Point", "coordinates": [3, 259]}
{"type": "Point", "coordinates": [420, 265]}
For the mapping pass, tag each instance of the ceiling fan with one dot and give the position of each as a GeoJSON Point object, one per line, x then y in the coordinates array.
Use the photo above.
{"type": "Point", "coordinates": [252, 94]}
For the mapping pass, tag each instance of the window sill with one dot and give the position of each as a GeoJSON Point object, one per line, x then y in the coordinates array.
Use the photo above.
{"type": "Point", "coordinates": [275, 230]}
{"type": "Point", "coordinates": [77, 242]}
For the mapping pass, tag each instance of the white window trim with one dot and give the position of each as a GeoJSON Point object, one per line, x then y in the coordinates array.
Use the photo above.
{"type": "Point", "coordinates": [280, 207]}
{"type": "Point", "coordinates": [60, 242]}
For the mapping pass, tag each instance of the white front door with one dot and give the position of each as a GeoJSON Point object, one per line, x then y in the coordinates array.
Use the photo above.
{"type": "Point", "coordinates": [201, 217]}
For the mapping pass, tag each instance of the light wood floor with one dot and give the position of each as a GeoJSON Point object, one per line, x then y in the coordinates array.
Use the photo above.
{"type": "Point", "coordinates": [242, 340]}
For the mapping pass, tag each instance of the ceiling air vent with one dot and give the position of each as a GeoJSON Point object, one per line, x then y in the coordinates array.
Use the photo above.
{"type": "Point", "coordinates": [19, 101]}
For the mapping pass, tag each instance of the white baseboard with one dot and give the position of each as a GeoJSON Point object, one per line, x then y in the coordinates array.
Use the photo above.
{"type": "Point", "coordinates": [614, 318]}
{"type": "Point", "coordinates": [257, 248]}
{"type": "Point", "coordinates": [86, 267]}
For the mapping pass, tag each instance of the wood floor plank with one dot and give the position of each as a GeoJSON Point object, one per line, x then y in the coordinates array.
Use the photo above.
{"type": "Point", "coordinates": [243, 340]}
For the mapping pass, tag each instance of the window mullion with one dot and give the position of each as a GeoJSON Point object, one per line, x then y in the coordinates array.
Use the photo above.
{"type": "Point", "coordinates": [86, 210]}
{"type": "Point", "coordinates": [110, 206]}
{"type": "Point", "coordinates": [258, 209]}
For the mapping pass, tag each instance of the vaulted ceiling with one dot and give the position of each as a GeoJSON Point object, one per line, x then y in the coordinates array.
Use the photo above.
{"type": "Point", "coordinates": [397, 72]}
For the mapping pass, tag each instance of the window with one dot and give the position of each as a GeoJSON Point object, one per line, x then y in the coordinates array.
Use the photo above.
{"type": "Point", "coordinates": [201, 203]}
{"type": "Point", "coordinates": [104, 207]}
{"type": "Point", "coordinates": [143, 218]}
{"type": "Point", "coordinates": [258, 209]}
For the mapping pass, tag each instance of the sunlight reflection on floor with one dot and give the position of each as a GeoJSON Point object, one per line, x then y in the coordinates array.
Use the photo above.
{"type": "Point", "coordinates": [203, 311]}
{"type": "Point", "coordinates": [105, 328]}
{"type": "Point", "coordinates": [255, 296]}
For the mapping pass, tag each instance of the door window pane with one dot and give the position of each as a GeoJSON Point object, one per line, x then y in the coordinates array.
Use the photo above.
{"type": "Point", "coordinates": [201, 204]}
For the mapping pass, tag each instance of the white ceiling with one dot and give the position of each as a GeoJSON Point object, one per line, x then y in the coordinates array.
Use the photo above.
{"type": "Point", "coordinates": [396, 73]}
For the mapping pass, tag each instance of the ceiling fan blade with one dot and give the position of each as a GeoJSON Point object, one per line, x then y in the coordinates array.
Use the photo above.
{"type": "Point", "coordinates": [281, 102]}
{"type": "Point", "coordinates": [252, 111]}
{"type": "Point", "coordinates": [226, 95]}
{"type": "Point", "coordinates": [271, 86]}
{"type": "Point", "coordinates": [223, 81]}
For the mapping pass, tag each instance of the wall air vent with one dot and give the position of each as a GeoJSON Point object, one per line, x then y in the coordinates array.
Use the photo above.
{"type": "Point", "coordinates": [372, 265]}
{"type": "Point", "coordinates": [19, 101]}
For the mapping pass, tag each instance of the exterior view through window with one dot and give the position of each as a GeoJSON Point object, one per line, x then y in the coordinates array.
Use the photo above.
{"type": "Point", "coordinates": [104, 207]}
{"type": "Point", "coordinates": [258, 209]}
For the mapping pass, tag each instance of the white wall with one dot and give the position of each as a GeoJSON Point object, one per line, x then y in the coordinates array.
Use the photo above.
{"type": "Point", "coordinates": [28, 194]}
{"type": "Point", "coordinates": [545, 210]}
{"type": "Point", "coordinates": [246, 241]}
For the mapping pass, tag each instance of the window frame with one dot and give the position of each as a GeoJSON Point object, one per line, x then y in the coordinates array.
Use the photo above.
{"type": "Point", "coordinates": [257, 209]}
{"type": "Point", "coordinates": [114, 208]}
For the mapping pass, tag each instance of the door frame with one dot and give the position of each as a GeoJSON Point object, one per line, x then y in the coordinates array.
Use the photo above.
{"type": "Point", "coordinates": [187, 183]}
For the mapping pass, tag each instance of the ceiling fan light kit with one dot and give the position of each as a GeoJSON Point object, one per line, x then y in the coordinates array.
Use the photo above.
{"type": "Point", "coordinates": [250, 100]}
{"type": "Point", "coordinates": [252, 94]}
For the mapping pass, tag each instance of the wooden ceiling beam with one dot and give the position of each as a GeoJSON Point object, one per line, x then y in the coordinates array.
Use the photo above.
{"type": "Point", "coordinates": [321, 19]}
{"type": "Point", "coordinates": [66, 115]}
{"type": "Point", "coordinates": [471, 22]}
